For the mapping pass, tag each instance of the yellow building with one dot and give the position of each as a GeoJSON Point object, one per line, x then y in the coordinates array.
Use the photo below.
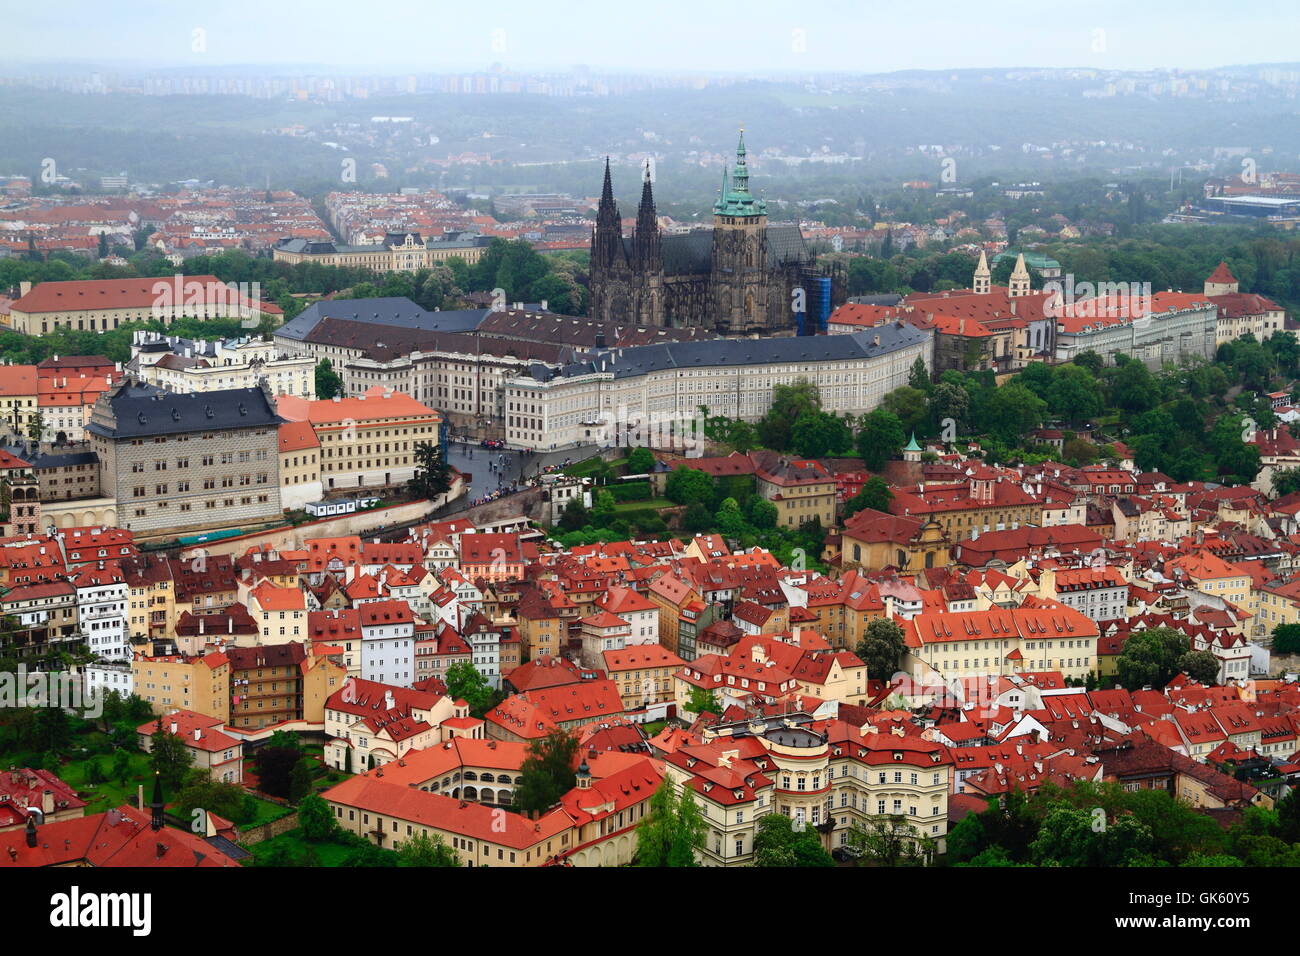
{"type": "Point", "coordinates": [200, 684]}
{"type": "Point", "coordinates": [366, 441]}
{"type": "Point", "coordinates": [643, 674]}
{"type": "Point", "coordinates": [399, 252]}
{"type": "Point", "coordinates": [947, 645]}
{"type": "Point", "coordinates": [872, 540]}
{"type": "Point", "coordinates": [101, 305]}
{"type": "Point", "coordinates": [19, 400]}
{"type": "Point", "coordinates": [801, 489]}
{"type": "Point", "coordinates": [1214, 577]}
{"type": "Point", "coordinates": [300, 482]}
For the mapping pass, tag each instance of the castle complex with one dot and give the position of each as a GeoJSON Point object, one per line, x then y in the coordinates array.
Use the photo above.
{"type": "Point", "coordinates": [744, 276]}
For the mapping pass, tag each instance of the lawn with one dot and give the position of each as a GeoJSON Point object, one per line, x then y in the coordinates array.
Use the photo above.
{"type": "Point", "coordinates": [266, 812]}
{"type": "Point", "coordinates": [588, 466]}
{"type": "Point", "coordinates": [105, 796]}
{"type": "Point", "coordinates": [327, 854]}
{"type": "Point", "coordinates": [644, 503]}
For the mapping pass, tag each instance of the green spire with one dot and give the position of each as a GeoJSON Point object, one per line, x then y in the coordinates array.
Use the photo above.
{"type": "Point", "coordinates": [912, 445]}
{"type": "Point", "coordinates": [738, 200]}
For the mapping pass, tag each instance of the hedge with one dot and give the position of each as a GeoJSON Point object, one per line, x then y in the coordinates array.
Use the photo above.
{"type": "Point", "coordinates": [630, 490]}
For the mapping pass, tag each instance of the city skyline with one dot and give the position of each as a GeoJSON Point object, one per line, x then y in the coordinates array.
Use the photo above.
{"type": "Point", "coordinates": [674, 37]}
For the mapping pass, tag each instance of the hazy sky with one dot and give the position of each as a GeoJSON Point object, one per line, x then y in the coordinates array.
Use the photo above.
{"type": "Point", "coordinates": [721, 35]}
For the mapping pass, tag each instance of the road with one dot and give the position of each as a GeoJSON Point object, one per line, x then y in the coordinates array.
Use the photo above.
{"type": "Point", "coordinates": [516, 465]}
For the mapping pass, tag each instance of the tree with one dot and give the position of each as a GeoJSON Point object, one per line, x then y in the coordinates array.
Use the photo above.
{"type": "Point", "coordinates": [880, 439]}
{"type": "Point", "coordinates": [212, 796]}
{"type": "Point", "coordinates": [36, 427]}
{"type": "Point", "coordinates": [1286, 639]}
{"type": "Point", "coordinates": [697, 518]}
{"type": "Point", "coordinates": [1150, 658]}
{"type": "Point", "coordinates": [300, 780]}
{"type": "Point", "coordinates": [316, 818]}
{"type": "Point", "coordinates": [762, 513]}
{"type": "Point", "coordinates": [546, 773]}
{"type": "Point", "coordinates": [53, 729]}
{"type": "Point", "coordinates": [465, 682]}
{"type": "Point", "coordinates": [874, 494]}
{"type": "Point", "coordinates": [1012, 412]}
{"type": "Point", "coordinates": [424, 850]}
{"type": "Point", "coordinates": [688, 831]}
{"type": "Point", "coordinates": [817, 434]}
{"type": "Point", "coordinates": [882, 648]}
{"type": "Point", "coordinates": [949, 402]}
{"type": "Point", "coordinates": [730, 520]}
{"type": "Point", "coordinates": [121, 767]}
{"type": "Point", "coordinates": [688, 486]}
{"type": "Point", "coordinates": [1200, 666]}
{"type": "Point", "coordinates": [891, 841]}
{"type": "Point", "coordinates": [328, 382]}
{"type": "Point", "coordinates": [1075, 394]}
{"type": "Point", "coordinates": [1286, 481]}
{"type": "Point", "coordinates": [169, 757]}
{"type": "Point", "coordinates": [1068, 837]}
{"type": "Point", "coordinates": [274, 766]}
{"type": "Point", "coordinates": [432, 475]}
{"type": "Point", "coordinates": [575, 515]}
{"type": "Point", "coordinates": [909, 405]}
{"type": "Point", "coordinates": [789, 403]}
{"type": "Point", "coordinates": [919, 376]}
{"type": "Point", "coordinates": [673, 830]}
{"type": "Point", "coordinates": [604, 509]}
{"type": "Point", "coordinates": [702, 701]}
{"type": "Point", "coordinates": [778, 844]}
{"type": "Point", "coordinates": [640, 461]}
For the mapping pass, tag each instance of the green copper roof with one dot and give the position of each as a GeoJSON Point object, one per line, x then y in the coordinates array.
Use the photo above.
{"type": "Point", "coordinates": [912, 445]}
{"type": "Point", "coordinates": [736, 199]}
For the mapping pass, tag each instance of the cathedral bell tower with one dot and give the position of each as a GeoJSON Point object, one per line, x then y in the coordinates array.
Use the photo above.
{"type": "Point", "coordinates": [983, 277]}
{"type": "Point", "coordinates": [739, 268]}
{"type": "Point", "coordinates": [608, 260]}
{"type": "Point", "coordinates": [1018, 284]}
{"type": "Point", "coordinates": [647, 260]}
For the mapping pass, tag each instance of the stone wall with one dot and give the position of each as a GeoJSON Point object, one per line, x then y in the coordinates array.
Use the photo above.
{"type": "Point", "coordinates": [362, 523]}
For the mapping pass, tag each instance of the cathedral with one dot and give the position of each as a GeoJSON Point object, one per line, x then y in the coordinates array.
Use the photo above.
{"type": "Point", "coordinates": [741, 277]}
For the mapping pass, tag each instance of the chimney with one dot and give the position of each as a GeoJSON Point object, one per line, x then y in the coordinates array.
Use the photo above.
{"type": "Point", "coordinates": [47, 801]}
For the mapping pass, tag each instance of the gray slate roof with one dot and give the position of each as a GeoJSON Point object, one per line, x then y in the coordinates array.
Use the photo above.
{"type": "Point", "coordinates": [144, 411]}
{"type": "Point", "coordinates": [396, 311]}
{"type": "Point", "coordinates": [739, 352]}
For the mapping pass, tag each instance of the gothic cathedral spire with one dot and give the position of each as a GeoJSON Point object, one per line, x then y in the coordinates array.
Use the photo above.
{"type": "Point", "coordinates": [645, 244]}
{"type": "Point", "coordinates": [607, 240]}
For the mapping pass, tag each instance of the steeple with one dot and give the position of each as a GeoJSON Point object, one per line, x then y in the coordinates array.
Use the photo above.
{"type": "Point", "coordinates": [738, 200]}
{"type": "Point", "coordinates": [607, 239]}
{"type": "Point", "coordinates": [983, 277]}
{"type": "Point", "coordinates": [156, 804]}
{"type": "Point", "coordinates": [645, 244]}
{"type": "Point", "coordinates": [607, 193]}
{"type": "Point", "coordinates": [1019, 282]}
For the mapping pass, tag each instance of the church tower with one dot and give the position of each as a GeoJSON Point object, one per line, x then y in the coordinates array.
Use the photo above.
{"type": "Point", "coordinates": [1018, 285]}
{"type": "Point", "coordinates": [739, 274]}
{"type": "Point", "coordinates": [608, 269]}
{"type": "Point", "coordinates": [983, 277]}
{"type": "Point", "coordinates": [647, 260]}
